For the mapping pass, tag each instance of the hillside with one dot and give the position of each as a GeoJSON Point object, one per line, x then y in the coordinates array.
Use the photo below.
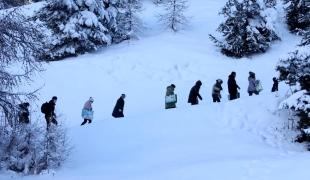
{"type": "Point", "coordinates": [242, 139]}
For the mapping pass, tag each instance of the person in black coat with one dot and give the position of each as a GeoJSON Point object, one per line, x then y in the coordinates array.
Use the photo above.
{"type": "Point", "coordinates": [50, 115]}
{"type": "Point", "coordinates": [118, 110]}
{"type": "Point", "coordinates": [232, 86]}
{"type": "Point", "coordinates": [275, 86]}
{"type": "Point", "coordinates": [194, 94]}
{"type": "Point", "coordinates": [23, 113]}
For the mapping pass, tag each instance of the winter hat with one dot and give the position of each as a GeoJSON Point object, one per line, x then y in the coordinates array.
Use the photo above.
{"type": "Point", "coordinates": [173, 85]}
{"type": "Point", "coordinates": [91, 99]}
{"type": "Point", "coordinates": [54, 98]}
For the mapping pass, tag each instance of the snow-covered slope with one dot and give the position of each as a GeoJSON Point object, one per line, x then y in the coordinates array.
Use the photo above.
{"type": "Point", "coordinates": [243, 139]}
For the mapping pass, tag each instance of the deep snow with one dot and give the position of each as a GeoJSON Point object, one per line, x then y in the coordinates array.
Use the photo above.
{"type": "Point", "coordinates": [243, 139]}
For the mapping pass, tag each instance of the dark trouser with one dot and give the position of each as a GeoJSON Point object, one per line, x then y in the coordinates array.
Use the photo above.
{"type": "Point", "coordinates": [49, 119]}
{"type": "Point", "coordinates": [251, 93]}
{"type": "Point", "coordinates": [216, 98]}
{"type": "Point", "coordinates": [85, 121]}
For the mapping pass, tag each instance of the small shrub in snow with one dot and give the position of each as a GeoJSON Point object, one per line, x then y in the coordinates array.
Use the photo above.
{"type": "Point", "coordinates": [29, 149]}
{"type": "Point", "coordinates": [77, 26]}
{"type": "Point", "coordinates": [298, 14]}
{"type": "Point", "coordinates": [174, 17]}
{"type": "Point", "coordinates": [245, 30]}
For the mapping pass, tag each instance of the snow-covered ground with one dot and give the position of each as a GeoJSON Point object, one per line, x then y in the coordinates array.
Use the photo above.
{"type": "Point", "coordinates": [246, 139]}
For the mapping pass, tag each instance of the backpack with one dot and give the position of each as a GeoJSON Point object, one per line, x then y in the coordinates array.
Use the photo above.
{"type": "Point", "coordinates": [44, 108]}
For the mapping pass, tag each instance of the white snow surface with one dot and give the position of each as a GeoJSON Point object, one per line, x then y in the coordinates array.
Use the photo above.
{"type": "Point", "coordinates": [245, 139]}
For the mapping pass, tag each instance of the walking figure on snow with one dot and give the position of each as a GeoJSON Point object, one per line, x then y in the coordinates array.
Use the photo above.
{"type": "Point", "coordinates": [118, 110]}
{"type": "Point", "coordinates": [216, 91]}
{"type": "Point", "coordinates": [23, 113]}
{"type": "Point", "coordinates": [171, 98]}
{"type": "Point", "coordinates": [253, 84]}
{"type": "Point", "coordinates": [233, 86]}
{"type": "Point", "coordinates": [48, 108]}
{"type": "Point", "coordinates": [194, 94]}
{"type": "Point", "coordinates": [275, 86]}
{"type": "Point", "coordinates": [87, 111]}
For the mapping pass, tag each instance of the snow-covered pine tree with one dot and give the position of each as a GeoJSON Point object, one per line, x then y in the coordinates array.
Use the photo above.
{"type": "Point", "coordinates": [295, 71]}
{"type": "Point", "coordinates": [298, 14]}
{"type": "Point", "coordinates": [12, 3]}
{"type": "Point", "coordinates": [56, 147]}
{"type": "Point", "coordinates": [245, 30]}
{"type": "Point", "coordinates": [306, 39]}
{"type": "Point", "coordinates": [127, 20]}
{"type": "Point", "coordinates": [157, 2]}
{"type": "Point", "coordinates": [77, 26]}
{"type": "Point", "coordinates": [174, 17]}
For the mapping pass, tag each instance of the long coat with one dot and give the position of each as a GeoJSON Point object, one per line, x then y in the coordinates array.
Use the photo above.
{"type": "Point", "coordinates": [232, 85]}
{"type": "Point", "coordinates": [275, 86]}
{"type": "Point", "coordinates": [252, 84]}
{"type": "Point", "coordinates": [119, 108]}
{"type": "Point", "coordinates": [194, 94]}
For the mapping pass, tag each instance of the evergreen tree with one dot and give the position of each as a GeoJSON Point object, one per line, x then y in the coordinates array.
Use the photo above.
{"type": "Point", "coordinates": [127, 20]}
{"type": "Point", "coordinates": [306, 39]}
{"type": "Point", "coordinates": [245, 30]}
{"type": "Point", "coordinates": [12, 3]}
{"type": "Point", "coordinates": [77, 26]}
{"type": "Point", "coordinates": [295, 71]}
{"type": "Point", "coordinates": [298, 14]}
{"type": "Point", "coordinates": [174, 17]}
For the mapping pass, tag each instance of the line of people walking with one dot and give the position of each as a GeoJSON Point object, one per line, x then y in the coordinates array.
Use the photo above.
{"type": "Point", "coordinates": [254, 87]}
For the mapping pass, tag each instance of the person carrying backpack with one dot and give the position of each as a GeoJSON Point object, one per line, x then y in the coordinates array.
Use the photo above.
{"type": "Point", "coordinates": [233, 86]}
{"type": "Point", "coordinates": [48, 108]}
{"type": "Point", "coordinates": [87, 111]}
{"type": "Point", "coordinates": [194, 93]}
{"type": "Point", "coordinates": [253, 83]}
{"type": "Point", "coordinates": [118, 110]}
{"type": "Point", "coordinates": [171, 98]}
{"type": "Point", "coordinates": [216, 91]}
{"type": "Point", "coordinates": [23, 113]}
